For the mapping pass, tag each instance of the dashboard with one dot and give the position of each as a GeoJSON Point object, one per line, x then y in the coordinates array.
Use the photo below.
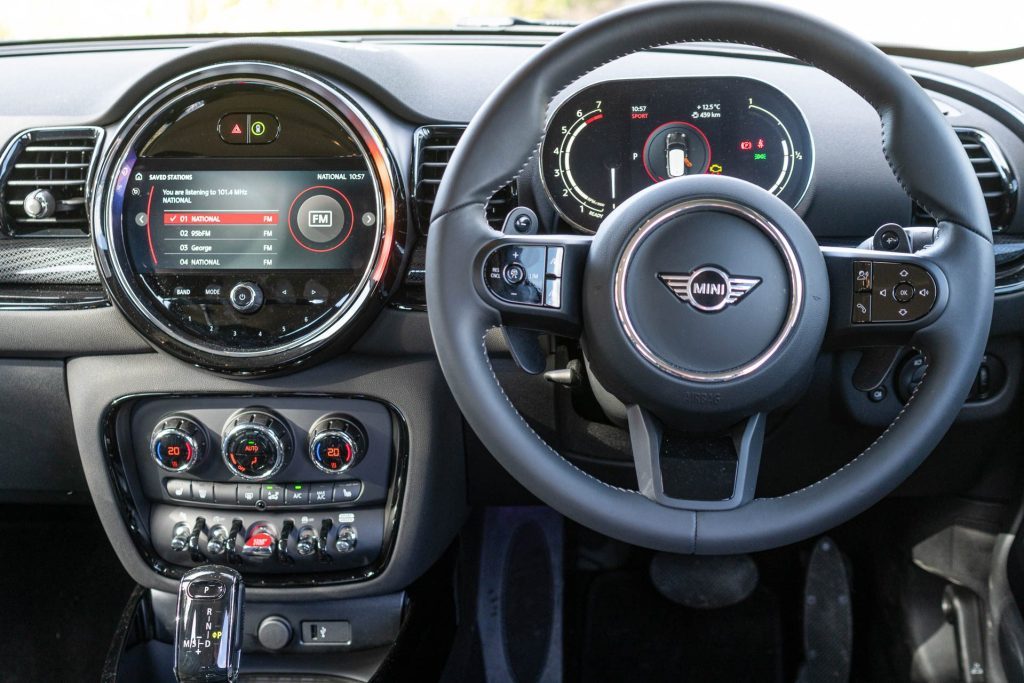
{"type": "Point", "coordinates": [233, 236]}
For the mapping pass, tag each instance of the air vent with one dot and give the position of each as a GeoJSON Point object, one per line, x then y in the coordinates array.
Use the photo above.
{"type": "Point", "coordinates": [43, 180]}
{"type": "Point", "coordinates": [998, 184]}
{"type": "Point", "coordinates": [434, 147]}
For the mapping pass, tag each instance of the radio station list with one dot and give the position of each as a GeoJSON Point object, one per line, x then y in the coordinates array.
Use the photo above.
{"type": "Point", "coordinates": [199, 224]}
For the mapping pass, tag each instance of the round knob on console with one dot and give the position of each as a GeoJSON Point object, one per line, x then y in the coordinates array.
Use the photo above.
{"type": "Point", "coordinates": [274, 633]}
{"type": "Point", "coordinates": [178, 443]}
{"type": "Point", "coordinates": [246, 297]}
{"type": "Point", "coordinates": [336, 443]}
{"type": "Point", "coordinates": [256, 444]}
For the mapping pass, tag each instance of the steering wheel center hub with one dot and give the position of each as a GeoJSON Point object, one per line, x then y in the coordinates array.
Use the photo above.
{"type": "Point", "coordinates": [707, 290]}
{"type": "Point", "coordinates": [696, 299]}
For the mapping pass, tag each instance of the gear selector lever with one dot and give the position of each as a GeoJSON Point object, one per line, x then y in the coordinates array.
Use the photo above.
{"type": "Point", "coordinates": [208, 625]}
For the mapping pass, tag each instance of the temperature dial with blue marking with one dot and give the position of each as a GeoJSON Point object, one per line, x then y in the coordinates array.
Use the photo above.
{"type": "Point", "coordinates": [178, 443]}
{"type": "Point", "coordinates": [336, 443]}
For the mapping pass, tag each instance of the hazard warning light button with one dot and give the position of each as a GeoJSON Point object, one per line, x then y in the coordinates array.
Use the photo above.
{"type": "Point", "coordinates": [234, 128]}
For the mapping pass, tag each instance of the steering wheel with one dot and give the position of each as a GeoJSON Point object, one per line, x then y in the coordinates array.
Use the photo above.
{"type": "Point", "coordinates": [702, 302]}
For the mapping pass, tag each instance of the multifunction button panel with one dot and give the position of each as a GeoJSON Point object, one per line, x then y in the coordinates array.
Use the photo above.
{"type": "Point", "coordinates": [523, 274]}
{"type": "Point", "coordinates": [891, 292]}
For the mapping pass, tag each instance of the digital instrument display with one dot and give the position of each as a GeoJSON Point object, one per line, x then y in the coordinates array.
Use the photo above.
{"type": "Point", "coordinates": [184, 215]}
{"type": "Point", "coordinates": [610, 140]}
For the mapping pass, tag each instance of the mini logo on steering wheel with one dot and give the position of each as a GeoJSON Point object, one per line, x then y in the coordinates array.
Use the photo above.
{"type": "Point", "coordinates": [709, 289]}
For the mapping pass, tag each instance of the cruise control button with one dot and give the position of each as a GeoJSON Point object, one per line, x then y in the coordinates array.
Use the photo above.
{"type": "Point", "coordinates": [179, 489]}
{"type": "Point", "coordinates": [554, 263]}
{"type": "Point", "coordinates": [553, 293]}
{"type": "Point", "coordinates": [514, 274]}
{"type": "Point", "coordinates": [320, 494]}
{"type": "Point", "coordinates": [347, 491]}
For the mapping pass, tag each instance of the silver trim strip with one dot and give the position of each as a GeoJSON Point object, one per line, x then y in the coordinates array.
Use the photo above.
{"type": "Point", "coordinates": [693, 206]}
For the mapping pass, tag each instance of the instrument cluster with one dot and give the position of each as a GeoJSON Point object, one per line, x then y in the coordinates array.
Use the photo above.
{"type": "Point", "coordinates": [610, 140]}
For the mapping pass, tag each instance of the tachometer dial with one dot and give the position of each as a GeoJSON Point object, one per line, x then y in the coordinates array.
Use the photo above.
{"type": "Point", "coordinates": [612, 139]}
{"type": "Point", "coordinates": [587, 171]}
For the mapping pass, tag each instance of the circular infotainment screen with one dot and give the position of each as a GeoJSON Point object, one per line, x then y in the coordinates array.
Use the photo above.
{"type": "Point", "coordinates": [250, 217]}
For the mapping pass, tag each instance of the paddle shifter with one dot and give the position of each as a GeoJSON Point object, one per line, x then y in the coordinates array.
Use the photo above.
{"type": "Point", "coordinates": [208, 625]}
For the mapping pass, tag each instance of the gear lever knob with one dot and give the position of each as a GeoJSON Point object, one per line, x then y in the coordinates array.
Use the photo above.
{"type": "Point", "coordinates": [208, 625]}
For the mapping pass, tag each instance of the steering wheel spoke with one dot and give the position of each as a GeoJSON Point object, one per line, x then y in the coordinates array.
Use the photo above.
{"type": "Point", "coordinates": [534, 282]}
{"type": "Point", "coordinates": [716, 471]}
{"type": "Point", "coordinates": [881, 298]}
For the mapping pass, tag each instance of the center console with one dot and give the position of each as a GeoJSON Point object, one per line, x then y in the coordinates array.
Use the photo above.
{"type": "Point", "coordinates": [249, 222]}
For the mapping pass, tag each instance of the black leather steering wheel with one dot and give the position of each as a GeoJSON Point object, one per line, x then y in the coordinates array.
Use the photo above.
{"type": "Point", "coordinates": [696, 409]}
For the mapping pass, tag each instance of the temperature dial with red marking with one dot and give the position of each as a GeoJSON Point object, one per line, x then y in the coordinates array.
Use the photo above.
{"type": "Point", "coordinates": [336, 443]}
{"type": "Point", "coordinates": [178, 443]}
{"type": "Point", "coordinates": [256, 444]}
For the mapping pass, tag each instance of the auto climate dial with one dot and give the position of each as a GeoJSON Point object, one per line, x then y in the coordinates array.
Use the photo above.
{"type": "Point", "coordinates": [256, 444]}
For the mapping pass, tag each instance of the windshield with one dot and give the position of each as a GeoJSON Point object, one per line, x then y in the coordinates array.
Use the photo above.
{"type": "Point", "coordinates": [921, 23]}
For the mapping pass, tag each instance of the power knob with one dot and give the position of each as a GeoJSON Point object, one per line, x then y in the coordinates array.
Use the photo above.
{"type": "Point", "coordinates": [336, 443]}
{"type": "Point", "coordinates": [178, 443]}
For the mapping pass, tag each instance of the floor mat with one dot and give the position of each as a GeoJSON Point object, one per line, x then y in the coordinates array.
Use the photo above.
{"type": "Point", "coordinates": [633, 634]}
{"type": "Point", "coordinates": [519, 600]}
{"type": "Point", "coordinates": [60, 601]}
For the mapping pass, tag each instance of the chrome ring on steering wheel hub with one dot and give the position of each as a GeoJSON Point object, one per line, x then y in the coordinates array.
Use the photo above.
{"type": "Point", "coordinates": [737, 302]}
{"type": "Point", "coordinates": [703, 298]}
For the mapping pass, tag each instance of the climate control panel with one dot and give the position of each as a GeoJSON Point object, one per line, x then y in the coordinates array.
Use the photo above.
{"type": "Point", "coordinates": [275, 485]}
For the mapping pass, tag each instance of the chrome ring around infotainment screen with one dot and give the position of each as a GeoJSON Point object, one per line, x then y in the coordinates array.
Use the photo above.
{"type": "Point", "coordinates": [249, 217]}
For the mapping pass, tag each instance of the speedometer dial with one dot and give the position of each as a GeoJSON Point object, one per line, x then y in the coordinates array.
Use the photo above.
{"type": "Point", "coordinates": [612, 139]}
